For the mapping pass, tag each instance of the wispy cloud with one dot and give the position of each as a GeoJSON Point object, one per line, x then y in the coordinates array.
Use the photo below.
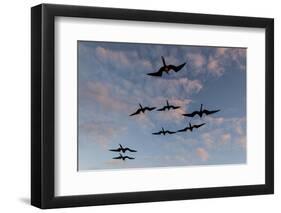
{"type": "Point", "coordinates": [176, 87]}
{"type": "Point", "coordinates": [225, 138]}
{"type": "Point", "coordinates": [116, 56]}
{"type": "Point", "coordinates": [221, 132]}
{"type": "Point", "coordinates": [224, 58]}
{"type": "Point", "coordinates": [124, 59]}
{"type": "Point", "coordinates": [103, 94]}
{"type": "Point", "coordinates": [202, 154]}
{"type": "Point", "coordinates": [215, 67]}
{"type": "Point", "coordinates": [208, 139]}
{"type": "Point", "coordinates": [101, 132]}
{"type": "Point", "coordinates": [242, 141]}
{"type": "Point", "coordinates": [197, 62]}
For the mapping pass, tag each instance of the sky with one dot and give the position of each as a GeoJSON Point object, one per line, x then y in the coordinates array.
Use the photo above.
{"type": "Point", "coordinates": [112, 82]}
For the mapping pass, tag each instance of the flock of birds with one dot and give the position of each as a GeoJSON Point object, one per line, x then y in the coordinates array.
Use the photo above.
{"type": "Point", "coordinates": [201, 112]}
{"type": "Point", "coordinates": [121, 150]}
{"type": "Point", "coordinates": [190, 127]}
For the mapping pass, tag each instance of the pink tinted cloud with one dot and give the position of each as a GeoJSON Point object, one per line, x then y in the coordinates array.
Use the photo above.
{"type": "Point", "coordinates": [242, 141]}
{"type": "Point", "coordinates": [117, 56]}
{"type": "Point", "coordinates": [114, 162]}
{"type": "Point", "coordinates": [221, 51]}
{"type": "Point", "coordinates": [104, 95]}
{"type": "Point", "coordinates": [202, 154]}
{"type": "Point", "coordinates": [172, 87]}
{"type": "Point", "coordinates": [124, 58]}
{"type": "Point", "coordinates": [102, 133]}
{"type": "Point", "coordinates": [239, 126]}
{"type": "Point", "coordinates": [197, 61]}
{"type": "Point", "coordinates": [208, 139]}
{"type": "Point", "coordinates": [225, 138]}
{"type": "Point", "coordinates": [216, 62]}
{"type": "Point", "coordinates": [214, 66]}
{"type": "Point", "coordinates": [216, 121]}
{"type": "Point", "coordinates": [144, 121]}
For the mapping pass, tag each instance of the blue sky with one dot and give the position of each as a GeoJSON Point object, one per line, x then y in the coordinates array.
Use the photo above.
{"type": "Point", "coordinates": [113, 81]}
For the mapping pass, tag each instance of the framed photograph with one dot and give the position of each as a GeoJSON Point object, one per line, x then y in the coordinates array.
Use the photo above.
{"type": "Point", "coordinates": [139, 106]}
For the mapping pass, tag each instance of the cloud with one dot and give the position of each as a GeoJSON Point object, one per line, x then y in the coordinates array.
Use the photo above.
{"type": "Point", "coordinates": [224, 132]}
{"type": "Point", "coordinates": [197, 62]}
{"type": "Point", "coordinates": [242, 141]}
{"type": "Point", "coordinates": [101, 133]}
{"type": "Point", "coordinates": [103, 94]}
{"type": "Point", "coordinates": [239, 126]}
{"type": "Point", "coordinates": [225, 138]}
{"type": "Point", "coordinates": [144, 121]}
{"type": "Point", "coordinates": [202, 154]}
{"type": "Point", "coordinates": [208, 139]}
{"type": "Point", "coordinates": [122, 58]}
{"type": "Point", "coordinates": [114, 162]}
{"type": "Point", "coordinates": [215, 67]}
{"type": "Point", "coordinates": [116, 56]}
{"type": "Point", "coordinates": [217, 121]}
{"type": "Point", "coordinates": [177, 87]}
{"type": "Point", "coordinates": [223, 58]}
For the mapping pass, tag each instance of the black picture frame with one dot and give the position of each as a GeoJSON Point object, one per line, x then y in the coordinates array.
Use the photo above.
{"type": "Point", "coordinates": [43, 102]}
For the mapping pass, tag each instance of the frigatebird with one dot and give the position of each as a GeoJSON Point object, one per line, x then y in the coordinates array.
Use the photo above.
{"type": "Point", "coordinates": [122, 149]}
{"type": "Point", "coordinates": [163, 132]}
{"type": "Point", "coordinates": [166, 68]}
{"type": "Point", "coordinates": [123, 157]}
{"type": "Point", "coordinates": [142, 109]}
{"type": "Point", "coordinates": [168, 107]}
{"type": "Point", "coordinates": [190, 127]}
{"type": "Point", "coordinates": [201, 112]}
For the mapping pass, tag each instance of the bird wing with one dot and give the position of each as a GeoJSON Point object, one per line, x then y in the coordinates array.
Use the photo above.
{"type": "Point", "coordinates": [207, 112]}
{"type": "Point", "coordinates": [119, 157]}
{"type": "Point", "coordinates": [191, 114]}
{"type": "Point", "coordinates": [115, 150]}
{"type": "Point", "coordinates": [157, 133]}
{"type": "Point", "coordinates": [149, 108]}
{"type": "Point", "coordinates": [158, 73]}
{"type": "Point", "coordinates": [162, 109]}
{"type": "Point", "coordinates": [170, 132]}
{"type": "Point", "coordinates": [197, 126]}
{"type": "Point", "coordinates": [131, 150]}
{"type": "Point", "coordinates": [137, 112]}
{"type": "Point", "coordinates": [176, 68]}
{"type": "Point", "coordinates": [175, 107]}
{"type": "Point", "coordinates": [183, 130]}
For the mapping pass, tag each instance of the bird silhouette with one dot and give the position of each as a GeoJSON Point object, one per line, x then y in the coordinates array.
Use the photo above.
{"type": "Point", "coordinates": [166, 68]}
{"type": "Point", "coordinates": [123, 157]}
{"type": "Point", "coordinates": [163, 132]}
{"type": "Point", "coordinates": [190, 127]}
{"type": "Point", "coordinates": [201, 112]}
{"type": "Point", "coordinates": [168, 107]}
{"type": "Point", "coordinates": [122, 149]}
{"type": "Point", "coordinates": [142, 109]}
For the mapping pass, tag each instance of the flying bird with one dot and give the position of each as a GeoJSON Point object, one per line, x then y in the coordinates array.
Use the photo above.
{"type": "Point", "coordinates": [123, 157]}
{"type": "Point", "coordinates": [201, 112]}
{"type": "Point", "coordinates": [142, 109]}
{"type": "Point", "coordinates": [168, 107]}
{"type": "Point", "coordinates": [166, 68]}
{"type": "Point", "coordinates": [163, 132]}
{"type": "Point", "coordinates": [190, 127]}
{"type": "Point", "coordinates": [122, 149]}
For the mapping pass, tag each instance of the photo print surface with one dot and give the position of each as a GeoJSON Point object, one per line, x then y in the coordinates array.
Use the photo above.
{"type": "Point", "coordinates": [158, 105]}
